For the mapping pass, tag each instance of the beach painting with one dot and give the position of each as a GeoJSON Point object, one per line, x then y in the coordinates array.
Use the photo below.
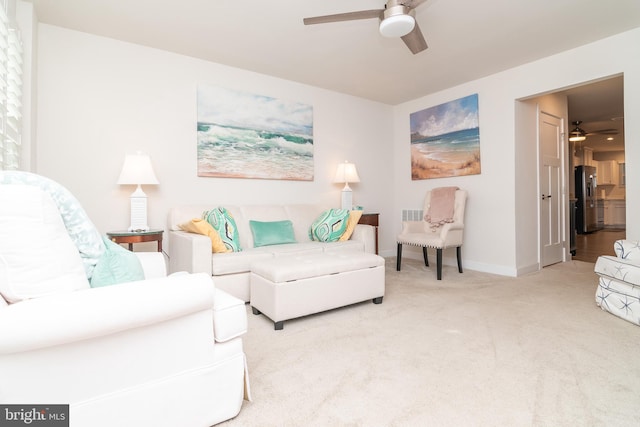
{"type": "Point", "coordinates": [445, 140]}
{"type": "Point", "coordinates": [243, 135]}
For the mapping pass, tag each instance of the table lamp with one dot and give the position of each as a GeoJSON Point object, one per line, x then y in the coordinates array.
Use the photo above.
{"type": "Point", "coordinates": [347, 173]}
{"type": "Point", "coordinates": [137, 170]}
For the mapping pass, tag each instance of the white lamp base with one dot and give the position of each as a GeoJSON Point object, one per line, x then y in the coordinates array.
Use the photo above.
{"type": "Point", "coordinates": [347, 199]}
{"type": "Point", "coordinates": [138, 211]}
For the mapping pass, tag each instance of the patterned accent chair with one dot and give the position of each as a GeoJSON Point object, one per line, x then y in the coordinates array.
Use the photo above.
{"type": "Point", "coordinates": [618, 289]}
{"type": "Point", "coordinates": [449, 235]}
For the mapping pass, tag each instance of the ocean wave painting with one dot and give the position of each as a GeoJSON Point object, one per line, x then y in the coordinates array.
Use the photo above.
{"type": "Point", "coordinates": [445, 140]}
{"type": "Point", "coordinates": [242, 135]}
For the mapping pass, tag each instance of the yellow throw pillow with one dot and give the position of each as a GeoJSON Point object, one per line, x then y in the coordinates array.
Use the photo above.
{"type": "Point", "coordinates": [354, 217]}
{"type": "Point", "coordinates": [200, 226]}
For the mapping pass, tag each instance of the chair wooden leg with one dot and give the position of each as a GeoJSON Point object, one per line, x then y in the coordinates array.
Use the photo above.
{"type": "Point", "coordinates": [439, 262]}
{"type": "Point", "coordinates": [425, 256]}
{"type": "Point", "coordinates": [459, 259]}
{"type": "Point", "coordinates": [399, 258]}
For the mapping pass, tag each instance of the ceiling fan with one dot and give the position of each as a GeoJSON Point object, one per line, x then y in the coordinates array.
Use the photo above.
{"type": "Point", "coordinates": [579, 134]}
{"type": "Point", "coordinates": [397, 19]}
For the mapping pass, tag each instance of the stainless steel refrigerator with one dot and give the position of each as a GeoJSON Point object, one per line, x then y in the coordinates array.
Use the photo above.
{"type": "Point", "coordinates": [586, 204]}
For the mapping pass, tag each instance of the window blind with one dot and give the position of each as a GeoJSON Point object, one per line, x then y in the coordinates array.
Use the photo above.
{"type": "Point", "coordinates": [10, 88]}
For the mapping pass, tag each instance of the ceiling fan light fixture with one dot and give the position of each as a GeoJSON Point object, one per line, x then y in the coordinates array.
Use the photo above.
{"type": "Point", "coordinates": [577, 135]}
{"type": "Point", "coordinates": [396, 22]}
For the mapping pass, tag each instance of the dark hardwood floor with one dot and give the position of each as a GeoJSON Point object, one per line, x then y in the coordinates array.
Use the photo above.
{"type": "Point", "coordinates": [590, 246]}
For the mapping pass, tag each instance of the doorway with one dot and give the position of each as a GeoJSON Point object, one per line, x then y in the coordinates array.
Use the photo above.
{"type": "Point", "coordinates": [599, 107]}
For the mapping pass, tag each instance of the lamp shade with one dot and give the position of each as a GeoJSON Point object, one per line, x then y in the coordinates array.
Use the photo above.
{"type": "Point", "coordinates": [136, 170]}
{"type": "Point", "coordinates": [346, 172]}
{"type": "Point", "coordinates": [396, 22]}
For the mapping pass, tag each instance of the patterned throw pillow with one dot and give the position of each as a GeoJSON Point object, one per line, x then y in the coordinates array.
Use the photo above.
{"type": "Point", "coordinates": [222, 221]}
{"type": "Point", "coordinates": [329, 226]}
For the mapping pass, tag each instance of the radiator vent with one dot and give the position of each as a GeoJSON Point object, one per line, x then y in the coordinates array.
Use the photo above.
{"type": "Point", "coordinates": [412, 214]}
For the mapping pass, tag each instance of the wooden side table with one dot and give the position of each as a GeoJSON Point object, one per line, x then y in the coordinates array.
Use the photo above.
{"type": "Point", "coordinates": [371, 219]}
{"type": "Point", "coordinates": [131, 237]}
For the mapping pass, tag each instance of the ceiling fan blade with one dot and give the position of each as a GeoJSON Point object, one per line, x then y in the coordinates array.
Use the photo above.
{"type": "Point", "coordinates": [412, 4]}
{"type": "Point", "coordinates": [349, 16]}
{"type": "Point", "coordinates": [415, 40]}
{"type": "Point", "coordinates": [604, 132]}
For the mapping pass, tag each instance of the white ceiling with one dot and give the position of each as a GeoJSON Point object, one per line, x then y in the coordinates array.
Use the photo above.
{"type": "Point", "coordinates": [467, 39]}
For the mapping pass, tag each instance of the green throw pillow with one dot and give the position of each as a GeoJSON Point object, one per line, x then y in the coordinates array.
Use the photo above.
{"type": "Point", "coordinates": [116, 265]}
{"type": "Point", "coordinates": [222, 221]}
{"type": "Point", "coordinates": [272, 233]}
{"type": "Point", "coordinates": [329, 226]}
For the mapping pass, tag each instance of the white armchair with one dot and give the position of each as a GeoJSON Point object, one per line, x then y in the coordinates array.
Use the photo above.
{"type": "Point", "coordinates": [163, 351]}
{"type": "Point", "coordinates": [423, 234]}
{"type": "Point", "coordinates": [618, 289]}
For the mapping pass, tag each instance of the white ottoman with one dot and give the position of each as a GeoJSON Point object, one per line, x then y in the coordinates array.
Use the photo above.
{"type": "Point", "coordinates": [295, 286]}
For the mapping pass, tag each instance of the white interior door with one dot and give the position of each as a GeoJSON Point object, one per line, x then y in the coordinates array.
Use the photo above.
{"type": "Point", "coordinates": [550, 196]}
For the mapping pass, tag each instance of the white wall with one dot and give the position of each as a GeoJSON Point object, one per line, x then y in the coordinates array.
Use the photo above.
{"type": "Point", "coordinates": [494, 240]}
{"type": "Point", "coordinates": [100, 99]}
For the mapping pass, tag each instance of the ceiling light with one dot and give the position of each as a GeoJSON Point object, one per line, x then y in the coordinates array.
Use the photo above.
{"type": "Point", "coordinates": [610, 138]}
{"type": "Point", "coordinates": [396, 22]}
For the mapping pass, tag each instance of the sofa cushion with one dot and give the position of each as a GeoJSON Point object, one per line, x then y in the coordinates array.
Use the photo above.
{"type": "Point", "coordinates": [200, 226]}
{"type": "Point", "coordinates": [272, 232]}
{"type": "Point", "coordinates": [241, 262]}
{"type": "Point", "coordinates": [223, 222]}
{"type": "Point", "coordinates": [296, 249]}
{"type": "Point", "coordinates": [356, 246]}
{"type": "Point", "coordinates": [237, 262]}
{"type": "Point", "coordinates": [329, 226]}
{"type": "Point", "coordinates": [39, 256]}
{"type": "Point", "coordinates": [302, 216]}
{"type": "Point", "coordinates": [116, 265]}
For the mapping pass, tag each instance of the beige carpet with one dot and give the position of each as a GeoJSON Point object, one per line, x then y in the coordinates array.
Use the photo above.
{"type": "Point", "coordinates": [474, 349]}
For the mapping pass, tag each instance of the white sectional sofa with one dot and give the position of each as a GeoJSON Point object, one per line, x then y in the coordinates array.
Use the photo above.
{"type": "Point", "coordinates": [231, 271]}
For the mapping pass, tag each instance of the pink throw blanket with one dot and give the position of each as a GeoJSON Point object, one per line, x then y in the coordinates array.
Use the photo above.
{"type": "Point", "coordinates": [441, 207]}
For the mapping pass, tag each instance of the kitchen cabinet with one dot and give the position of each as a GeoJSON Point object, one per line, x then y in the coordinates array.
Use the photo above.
{"type": "Point", "coordinates": [619, 213]}
{"type": "Point", "coordinates": [607, 213]}
{"type": "Point", "coordinates": [615, 214]}
{"type": "Point", "coordinates": [608, 172]}
{"type": "Point", "coordinates": [587, 157]}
